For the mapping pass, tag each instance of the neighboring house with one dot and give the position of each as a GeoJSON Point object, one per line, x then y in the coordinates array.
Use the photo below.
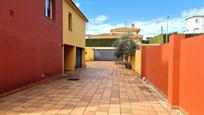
{"type": "Point", "coordinates": [158, 39]}
{"type": "Point", "coordinates": [161, 38]}
{"type": "Point", "coordinates": [31, 35]}
{"type": "Point", "coordinates": [100, 47]}
{"type": "Point", "coordinates": [195, 24]}
{"type": "Point", "coordinates": [74, 26]}
{"type": "Point", "coordinates": [147, 37]}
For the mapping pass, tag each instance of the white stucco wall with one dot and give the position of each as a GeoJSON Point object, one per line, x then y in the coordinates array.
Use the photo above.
{"type": "Point", "coordinates": [195, 24]}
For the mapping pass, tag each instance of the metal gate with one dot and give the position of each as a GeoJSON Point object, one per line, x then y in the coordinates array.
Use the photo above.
{"type": "Point", "coordinates": [104, 55]}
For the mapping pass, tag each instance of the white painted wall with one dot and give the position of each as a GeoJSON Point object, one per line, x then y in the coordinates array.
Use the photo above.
{"type": "Point", "coordinates": [195, 24]}
{"type": "Point", "coordinates": [146, 36]}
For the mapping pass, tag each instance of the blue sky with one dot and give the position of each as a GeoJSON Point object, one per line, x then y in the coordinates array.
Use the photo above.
{"type": "Point", "coordinates": [149, 15]}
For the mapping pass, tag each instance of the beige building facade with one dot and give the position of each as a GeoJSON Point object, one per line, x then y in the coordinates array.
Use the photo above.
{"type": "Point", "coordinates": [74, 27]}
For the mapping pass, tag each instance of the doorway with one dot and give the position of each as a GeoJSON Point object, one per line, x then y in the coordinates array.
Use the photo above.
{"type": "Point", "coordinates": [78, 58]}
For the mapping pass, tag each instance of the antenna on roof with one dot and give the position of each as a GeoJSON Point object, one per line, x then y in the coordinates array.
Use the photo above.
{"type": "Point", "coordinates": [125, 23]}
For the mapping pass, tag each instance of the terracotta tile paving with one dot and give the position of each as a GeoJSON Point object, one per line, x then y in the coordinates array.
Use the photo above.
{"type": "Point", "coordinates": [103, 89]}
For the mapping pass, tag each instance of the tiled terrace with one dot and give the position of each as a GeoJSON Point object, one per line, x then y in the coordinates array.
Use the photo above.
{"type": "Point", "coordinates": [104, 88]}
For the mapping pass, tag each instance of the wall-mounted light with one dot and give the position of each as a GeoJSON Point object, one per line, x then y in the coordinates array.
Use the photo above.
{"type": "Point", "coordinates": [62, 45]}
{"type": "Point", "coordinates": [11, 12]}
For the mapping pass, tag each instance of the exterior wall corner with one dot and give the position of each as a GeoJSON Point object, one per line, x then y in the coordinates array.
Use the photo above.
{"type": "Point", "coordinates": [174, 69]}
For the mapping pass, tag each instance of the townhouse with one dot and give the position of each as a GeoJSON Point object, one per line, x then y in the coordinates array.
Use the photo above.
{"type": "Point", "coordinates": [34, 36]}
{"type": "Point", "coordinates": [101, 47]}
{"type": "Point", "coordinates": [73, 36]}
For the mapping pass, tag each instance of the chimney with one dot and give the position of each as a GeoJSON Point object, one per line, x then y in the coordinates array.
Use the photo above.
{"type": "Point", "coordinates": [133, 25]}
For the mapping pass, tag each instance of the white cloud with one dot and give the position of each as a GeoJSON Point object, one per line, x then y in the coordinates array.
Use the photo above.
{"type": "Point", "coordinates": [77, 4]}
{"type": "Point", "coordinates": [154, 26]}
{"type": "Point", "coordinates": [99, 19]}
{"type": "Point", "coordinates": [98, 25]}
{"type": "Point", "coordinates": [101, 28]}
{"type": "Point", "coordinates": [191, 12]}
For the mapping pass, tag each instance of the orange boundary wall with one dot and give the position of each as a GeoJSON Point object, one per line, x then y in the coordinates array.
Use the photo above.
{"type": "Point", "coordinates": [177, 69]}
{"type": "Point", "coordinates": [191, 97]}
{"type": "Point", "coordinates": [156, 61]}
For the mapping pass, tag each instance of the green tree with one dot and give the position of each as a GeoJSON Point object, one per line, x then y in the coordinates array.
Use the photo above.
{"type": "Point", "coordinates": [126, 47]}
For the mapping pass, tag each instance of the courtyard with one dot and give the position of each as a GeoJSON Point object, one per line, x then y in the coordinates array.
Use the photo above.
{"type": "Point", "coordinates": [104, 88]}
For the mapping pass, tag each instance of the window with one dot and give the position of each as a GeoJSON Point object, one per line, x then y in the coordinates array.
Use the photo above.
{"type": "Point", "coordinates": [50, 9]}
{"type": "Point", "coordinates": [196, 29]}
{"type": "Point", "coordinates": [70, 21]}
{"type": "Point", "coordinates": [197, 21]}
